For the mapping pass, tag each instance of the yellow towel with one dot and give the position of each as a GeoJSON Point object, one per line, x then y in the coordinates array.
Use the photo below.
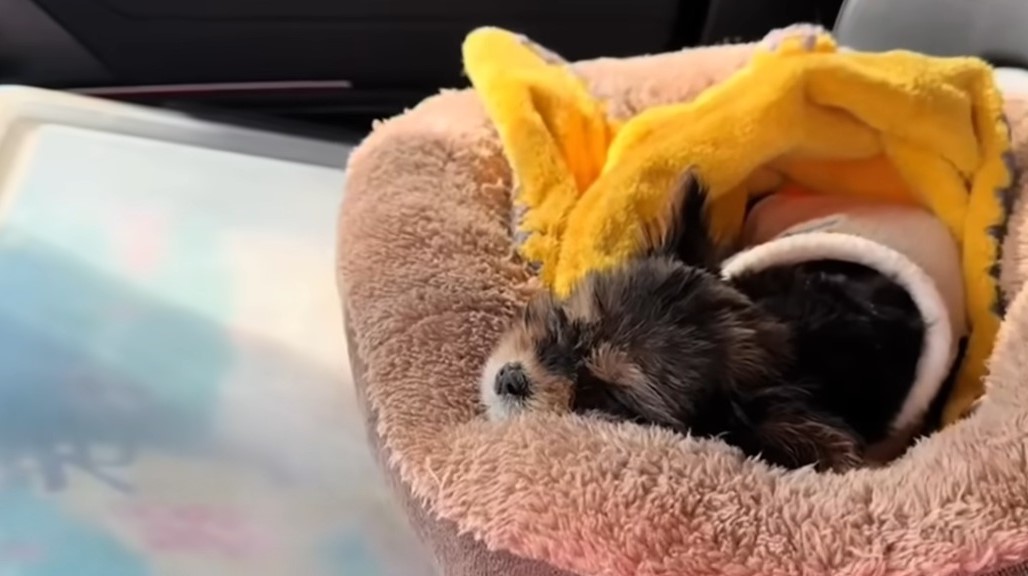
{"type": "Point", "coordinates": [895, 126]}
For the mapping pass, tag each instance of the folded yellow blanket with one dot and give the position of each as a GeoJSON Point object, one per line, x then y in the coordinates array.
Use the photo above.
{"type": "Point", "coordinates": [895, 126]}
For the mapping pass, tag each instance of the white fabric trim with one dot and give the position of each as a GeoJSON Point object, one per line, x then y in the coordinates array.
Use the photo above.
{"type": "Point", "coordinates": [937, 351]}
{"type": "Point", "coordinates": [1012, 81]}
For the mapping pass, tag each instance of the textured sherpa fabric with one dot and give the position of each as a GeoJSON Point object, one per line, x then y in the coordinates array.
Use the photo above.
{"type": "Point", "coordinates": [429, 281]}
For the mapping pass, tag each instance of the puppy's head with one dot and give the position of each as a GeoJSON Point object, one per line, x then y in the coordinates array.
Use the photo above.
{"type": "Point", "coordinates": [654, 342]}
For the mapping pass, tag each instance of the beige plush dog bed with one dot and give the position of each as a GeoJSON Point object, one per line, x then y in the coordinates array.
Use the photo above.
{"type": "Point", "coordinates": [429, 281]}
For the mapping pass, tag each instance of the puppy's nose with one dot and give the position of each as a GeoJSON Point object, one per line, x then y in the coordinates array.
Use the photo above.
{"type": "Point", "coordinates": [511, 380]}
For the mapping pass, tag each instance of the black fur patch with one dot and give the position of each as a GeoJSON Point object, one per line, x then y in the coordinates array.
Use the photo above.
{"type": "Point", "coordinates": [857, 338]}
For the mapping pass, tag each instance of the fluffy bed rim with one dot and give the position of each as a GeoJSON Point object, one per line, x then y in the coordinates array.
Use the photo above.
{"type": "Point", "coordinates": [429, 282]}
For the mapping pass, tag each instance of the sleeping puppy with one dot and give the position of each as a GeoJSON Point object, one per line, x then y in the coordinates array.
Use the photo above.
{"type": "Point", "coordinates": [800, 365]}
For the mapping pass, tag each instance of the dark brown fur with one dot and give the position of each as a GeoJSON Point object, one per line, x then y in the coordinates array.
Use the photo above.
{"type": "Point", "coordinates": [663, 341]}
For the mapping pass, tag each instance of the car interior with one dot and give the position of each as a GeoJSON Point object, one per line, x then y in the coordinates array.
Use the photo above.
{"type": "Point", "coordinates": [321, 63]}
{"type": "Point", "coordinates": [176, 395]}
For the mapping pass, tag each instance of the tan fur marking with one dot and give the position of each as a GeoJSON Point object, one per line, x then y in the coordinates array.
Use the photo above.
{"type": "Point", "coordinates": [550, 393]}
{"type": "Point", "coordinates": [580, 305]}
{"type": "Point", "coordinates": [614, 366]}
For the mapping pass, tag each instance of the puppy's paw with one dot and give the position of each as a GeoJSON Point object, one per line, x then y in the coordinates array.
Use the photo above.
{"type": "Point", "coordinates": [794, 438]}
{"type": "Point", "coordinates": [798, 38]}
{"type": "Point", "coordinates": [840, 459]}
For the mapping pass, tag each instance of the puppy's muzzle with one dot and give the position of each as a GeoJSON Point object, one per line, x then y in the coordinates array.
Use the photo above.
{"type": "Point", "coordinates": [512, 381]}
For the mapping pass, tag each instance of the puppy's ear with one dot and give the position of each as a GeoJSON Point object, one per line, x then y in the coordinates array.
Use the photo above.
{"type": "Point", "coordinates": [684, 232]}
{"type": "Point", "coordinates": [795, 436]}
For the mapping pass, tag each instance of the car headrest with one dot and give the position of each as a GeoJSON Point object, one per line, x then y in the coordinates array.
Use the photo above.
{"type": "Point", "coordinates": [990, 29]}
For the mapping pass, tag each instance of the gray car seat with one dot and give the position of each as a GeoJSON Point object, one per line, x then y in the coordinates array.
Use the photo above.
{"type": "Point", "coordinates": [996, 30]}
